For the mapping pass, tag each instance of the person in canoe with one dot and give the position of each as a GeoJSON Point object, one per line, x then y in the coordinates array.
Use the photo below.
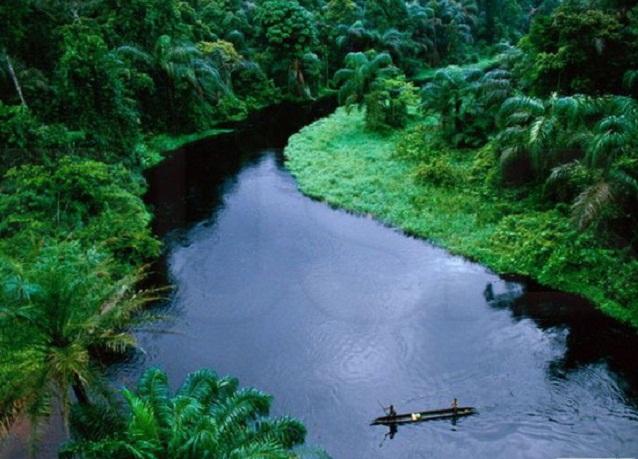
{"type": "Point", "coordinates": [455, 405]}
{"type": "Point", "coordinates": [393, 429]}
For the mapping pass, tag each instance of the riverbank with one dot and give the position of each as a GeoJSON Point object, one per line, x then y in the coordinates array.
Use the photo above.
{"type": "Point", "coordinates": [452, 197]}
{"type": "Point", "coordinates": [156, 148]}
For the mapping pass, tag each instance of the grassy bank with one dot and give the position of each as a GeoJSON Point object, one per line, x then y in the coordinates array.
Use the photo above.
{"type": "Point", "coordinates": [453, 198]}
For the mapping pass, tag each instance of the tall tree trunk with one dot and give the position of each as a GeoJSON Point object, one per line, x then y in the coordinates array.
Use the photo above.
{"type": "Point", "coordinates": [16, 83]}
{"type": "Point", "coordinates": [80, 391]}
{"type": "Point", "coordinates": [301, 83]}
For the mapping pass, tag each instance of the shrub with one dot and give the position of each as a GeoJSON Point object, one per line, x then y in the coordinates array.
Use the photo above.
{"type": "Point", "coordinates": [388, 102]}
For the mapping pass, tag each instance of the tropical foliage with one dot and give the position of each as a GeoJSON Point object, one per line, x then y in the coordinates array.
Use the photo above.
{"type": "Point", "coordinates": [360, 72]}
{"type": "Point", "coordinates": [466, 100]}
{"type": "Point", "coordinates": [58, 314]}
{"type": "Point", "coordinates": [388, 103]}
{"type": "Point", "coordinates": [584, 47]}
{"type": "Point", "coordinates": [208, 416]}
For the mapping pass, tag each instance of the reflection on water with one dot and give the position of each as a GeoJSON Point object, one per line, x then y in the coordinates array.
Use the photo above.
{"type": "Point", "coordinates": [335, 314]}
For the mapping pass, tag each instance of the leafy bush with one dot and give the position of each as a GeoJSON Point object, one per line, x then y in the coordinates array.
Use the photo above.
{"type": "Point", "coordinates": [439, 172]}
{"type": "Point", "coordinates": [388, 103]}
{"type": "Point", "coordinates": [24, 139]}
{"type": "Point", "coordinates": [92, 95]}
{"type": "Point", "coordinates": [97, 203]}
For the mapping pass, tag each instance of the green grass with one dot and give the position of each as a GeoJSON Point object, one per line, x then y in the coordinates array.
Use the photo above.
{"type": "Point", "coordinates": [168, 142]}
{"type": "Point", "coordinates": [153, 149]}
{"type": "Point", "coordinates": [410, 180]}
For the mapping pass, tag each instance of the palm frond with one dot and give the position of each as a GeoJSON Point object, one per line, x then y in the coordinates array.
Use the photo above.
{"type": "Point", "coordinates": [590, 204]}
{"type": "Point", "coordinates": [153, 387]}
{"type": "Point", "coordinates": [535, 107]}
{"type": "Point", "coordinates": [285, 431]}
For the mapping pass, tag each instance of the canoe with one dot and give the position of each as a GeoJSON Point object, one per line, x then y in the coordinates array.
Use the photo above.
{"type": "Point", "coordinates": [420, 416]}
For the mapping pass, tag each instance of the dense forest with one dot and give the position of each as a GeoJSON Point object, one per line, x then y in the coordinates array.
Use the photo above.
{"type": "Point", "coordinates": [530, 100]}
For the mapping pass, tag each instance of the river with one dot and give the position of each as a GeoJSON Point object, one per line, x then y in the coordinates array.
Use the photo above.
{"type": "Point", "coordinates": [335, 314]}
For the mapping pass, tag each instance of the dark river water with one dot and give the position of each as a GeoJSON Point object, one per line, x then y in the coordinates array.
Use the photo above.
{"type": "Point", "coordinates": [335, 314]}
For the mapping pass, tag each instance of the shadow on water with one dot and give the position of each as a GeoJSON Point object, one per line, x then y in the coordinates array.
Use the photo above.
{"type": "Point", "coordinates": [591, 336]}
{"type": "Point", "coordinates": [189, 185]}
{"type": "Point", "coordinates": [393, 429]}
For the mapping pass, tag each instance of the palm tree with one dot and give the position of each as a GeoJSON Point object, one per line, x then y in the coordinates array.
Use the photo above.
{"type": "Point", "coordinates": [630, 80]}
{"type": "Point", "coordinates": [545, 132]}
{"type": "Point", "coordinates": [454, 24]}
{"type": "Point", "coordinates": [361, 70]}
{"type": "Point", "coordinates": [355, 37]}
{"type": "Point", "coordinates": [58, 314]}
{"type": "Point", "coordinates": [495, 87]}
{"type": "Point", "coordinates": [444, 94]}
{"type": "Point", "coordinates": [185, 63]}
{"type": "Point", "coordinates": [614, 141]}
{"type": "Point", "coordinates": [179, 65]}
{"type": "Point", "coordinates": [207, 417]}
{"type": "Point", "coordinates": [423, 23]}
{"type": "Point", "coordinates": [465, 100]}
{"type": "Point", "coordinates": [583, 146]}
{"type": "Point", "coordinates": [398, 44]}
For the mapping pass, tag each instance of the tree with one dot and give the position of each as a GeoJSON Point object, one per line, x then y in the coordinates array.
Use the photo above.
{"type": "Point", "coordinates": [385, 14]}
{"type": "Point", "coordinates": [544, 133]}
{"type": "Point", "coordinates": [92, 95]}
{"type": "Point", "coordinates": [57, 314]}
{"type": "Point", "coordinates": [184, 76]}
{"type": "Point", "coordinates": [612, 165]}
{"type": "Point", "coordinates": [289, 30]}
{"type": "Point", "coordinates": [466, 100]}
{"type": "Point", "coordinates": [422, 26]}
{"type": "Point", "coordinates": [341, 11]}
{"type": "Point", "coordinates": [355, 37]}
{"type": "Point", "coordinates": [578, 49]}
{"type": "Point", "coordinates": [455, 22]}
{"type": "Point", "coordinates": [388, 102]}
{"type": "Point", "coordinates": [501, 20]}
{"type": "Point", "coordinates": [142, 22]}
{"type": "Point", "coordinates": [358, 75]}
{"type": "Point", "coordinates": [207, 417]}
{"type": "Point", "coordinates": [26, 140]}
{"type": "Point", "coordinates": [94, 202]}
{"type": "Point", "coordinates": [6, 59]}
{"type": "Point", "coordinates": [225, 57]}
{"type": "Point", "coordinates": [583, 148]}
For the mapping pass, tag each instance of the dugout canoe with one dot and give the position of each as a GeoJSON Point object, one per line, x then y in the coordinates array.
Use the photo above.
{"type": "Point", "coordinates": [421, 416]}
